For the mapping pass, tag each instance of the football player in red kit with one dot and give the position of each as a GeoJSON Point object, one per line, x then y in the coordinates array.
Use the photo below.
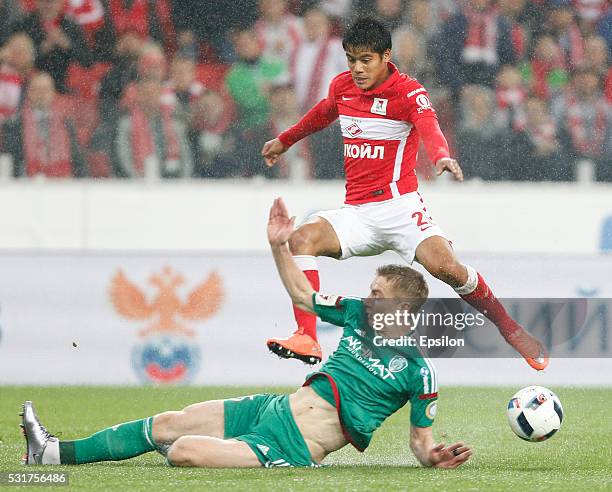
{"type": "Point", "coordinates": [383, 115]}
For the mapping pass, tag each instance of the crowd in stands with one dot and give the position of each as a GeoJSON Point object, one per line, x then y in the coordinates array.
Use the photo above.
{"type": "Point", "coordinates": [192, 88]}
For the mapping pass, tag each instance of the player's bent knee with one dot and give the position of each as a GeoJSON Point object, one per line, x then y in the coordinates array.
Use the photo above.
{"type": "Point", "coordinates": [166, 426]}
{"type": "Point", "coordinates": [448, 270]}
{"type": "Point", "coordinates": [181, 453]}
{"type": "Point", "coordinates": [303, 241]}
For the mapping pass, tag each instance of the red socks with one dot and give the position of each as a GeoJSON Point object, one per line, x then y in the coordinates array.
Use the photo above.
{"type": "Point", "coordinates": [477, 293]}
{"type": "Point", "coordinates": [305, 320]}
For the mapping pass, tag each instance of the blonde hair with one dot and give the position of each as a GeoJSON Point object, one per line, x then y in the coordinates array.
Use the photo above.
{"type": "Point", "coordinates": [406, 281]}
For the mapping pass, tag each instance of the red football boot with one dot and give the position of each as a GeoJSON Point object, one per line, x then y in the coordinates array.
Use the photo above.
{"type": "Point", "coordinates": [297, 346]}
{"type": "Point", "coordinates": [529, 347]}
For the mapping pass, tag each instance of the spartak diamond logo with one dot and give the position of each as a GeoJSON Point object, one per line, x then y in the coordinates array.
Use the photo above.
{"type": "Point", "coordinates": [354, 130]}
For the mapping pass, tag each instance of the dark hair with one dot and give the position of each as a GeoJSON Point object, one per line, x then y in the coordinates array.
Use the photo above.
{"type": "Point", "coordinates": [406, 281]}
{"type": "Point", "coordinates": [367, 33]}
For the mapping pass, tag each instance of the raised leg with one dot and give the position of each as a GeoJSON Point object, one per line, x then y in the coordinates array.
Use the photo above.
{"type": "Point", "coordinates": [438, 258]}
{"type": "Point", "coordinates": [316, 238]}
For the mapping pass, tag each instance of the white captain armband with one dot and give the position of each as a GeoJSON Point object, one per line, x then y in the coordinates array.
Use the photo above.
{"type": "Point", "coordinates": [325, 300]}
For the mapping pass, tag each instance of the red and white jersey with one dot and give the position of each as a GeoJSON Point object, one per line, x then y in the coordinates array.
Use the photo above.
{"type": "Point", "coordinates": [380, 133]}
{"type": "Point", "coordinates": [280, 41]}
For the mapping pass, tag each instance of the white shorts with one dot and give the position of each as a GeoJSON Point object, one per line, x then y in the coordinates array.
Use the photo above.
{"type": "Point", "coordinates": [399, 225]}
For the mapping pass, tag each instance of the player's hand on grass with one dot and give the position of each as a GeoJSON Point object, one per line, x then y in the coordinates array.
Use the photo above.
{"type": "Point", "coordinates": [450, 165]}
{"type": "Point", "coordinates": [449, 457]}
{"type": "Point", "coordinates": [280, 225]}
{"type": "Point", "coordinates": [271, 151]}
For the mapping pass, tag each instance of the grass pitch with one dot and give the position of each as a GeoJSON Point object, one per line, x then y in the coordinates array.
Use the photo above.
{"type": "Point", "coordinates": [579, 457]}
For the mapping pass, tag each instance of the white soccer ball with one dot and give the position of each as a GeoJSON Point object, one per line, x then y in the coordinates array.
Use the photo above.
{"type": "Point", "coordinates": [535, 413]}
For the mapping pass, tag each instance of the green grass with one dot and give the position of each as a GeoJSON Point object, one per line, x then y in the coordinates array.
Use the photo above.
{"type": "Point", "coordinates": [579, 457]}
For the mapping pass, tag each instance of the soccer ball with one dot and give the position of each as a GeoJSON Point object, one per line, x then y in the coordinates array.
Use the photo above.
{"type": "Point", "coordinates": [535, 413]}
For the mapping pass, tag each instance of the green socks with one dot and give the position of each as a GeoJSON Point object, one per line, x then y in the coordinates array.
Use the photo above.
{"type": "Point", "coordinates": [119, 442]}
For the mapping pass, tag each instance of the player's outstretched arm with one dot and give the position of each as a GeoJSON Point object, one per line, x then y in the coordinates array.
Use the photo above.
{"type": "Point", "coordinates": [437, 455]}
{"type": "Point", "coordinates": [280, 227]}
{"type": "Point", "coordinates": [320, 116]}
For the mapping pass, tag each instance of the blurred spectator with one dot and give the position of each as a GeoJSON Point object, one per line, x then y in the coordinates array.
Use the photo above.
{"type": "Point", "coordinates": [596, 58]}
{"type": "Point", "coordinates": [248, 83]}
{"type": "Point", "coordinates": [152, 62]}
{"type": "Point", "coordinates": [151, 65]}
{"type": "Point", "coordinates": [211, 141]}
{"type": "Point", "coordinates": [511, 97]}
{"type": "Point", "coordinates": [440, 10]}
{"type": "Point", "coordinates": [295, 163]}
{"type": "Point", "coordinates": [190, 22]}
{"type": "Point", "coordinates": [187, 45]}
{"type": "Point", "coordinates": [149, 141]}
{"type": "Point", "coordinates": [474, 43]}
{"type": "Point", "coordinates": [182, 89]}
{"type": "Point", "coordinates": [16, 62]}
{"type": "Point", "coordinates": [319, 59]}
{"type": "Point", "coordinates": [10, 12]}
{"type": "Point", "coordinates": [390, 13]}
{"type": "Point", "coordinates": [279, 31]}
{"type": "Point", "coordinates": [124, 71]}
{"type": "Point", "coordinates": [211, 21]}
{"type": "Point", "coordinates": [94, 20]}
{"type": "Point", "coordinates": [563, 27]}
{"type": "Point", "coordinates": [410, 56]}
{"type": "Point", "coordinates": [336, 9]}
{"type": "Point", "coordinates": [534, 15]}
{"type": "Point", "coordinates": [117, 94]}
{"type": "Point", "coordinates": [421, 20]}
{"type": "Point", "coordinates": [590, 12]}
{"type": "Point", "coordinates": [513, 10]}
{"type": "Point", "coordinates": [537, 154]}
{"type": "Point", "coordinates": [596, 55]}
{"type": "Point", "coordinates": [42, 137]}
{"type": "Point", "coordinates": [477, 138]}
{"type": "Point", "coordinates": [545, 73]}
{"type": "Point", "coordinates": [414, 44]}
{"type": "Point", "coordinates": [605, 28]}
{"type": "Point", "coordinates": [584, 116]}
{"type": "Point", "coordinates": [149, 19]}
{"type": "Point", "coordinates": [58, 41]}
{"type": "Point", "coordinates": [90, 15]}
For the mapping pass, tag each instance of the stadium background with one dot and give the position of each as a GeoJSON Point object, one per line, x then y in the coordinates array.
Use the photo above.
{"type": "Point", "coordinates": [522, 90]}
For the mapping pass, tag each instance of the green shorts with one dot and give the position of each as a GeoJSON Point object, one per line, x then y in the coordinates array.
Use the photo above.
{"type": "Point", "coordinates": [266, 424]}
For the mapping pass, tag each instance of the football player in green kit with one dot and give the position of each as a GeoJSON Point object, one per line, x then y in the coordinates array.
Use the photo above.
{"type": "Point", "coordinates": [359, 386]}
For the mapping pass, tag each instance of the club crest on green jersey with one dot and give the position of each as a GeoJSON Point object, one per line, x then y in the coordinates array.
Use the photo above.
{"type": "Point", "coordinates": [398, 363]}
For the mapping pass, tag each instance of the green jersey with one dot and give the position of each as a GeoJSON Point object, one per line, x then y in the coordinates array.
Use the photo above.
{"type": "Point", "coordinates": [245, 83]}
{"type": "Point", "coordinates": [368, 381]}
